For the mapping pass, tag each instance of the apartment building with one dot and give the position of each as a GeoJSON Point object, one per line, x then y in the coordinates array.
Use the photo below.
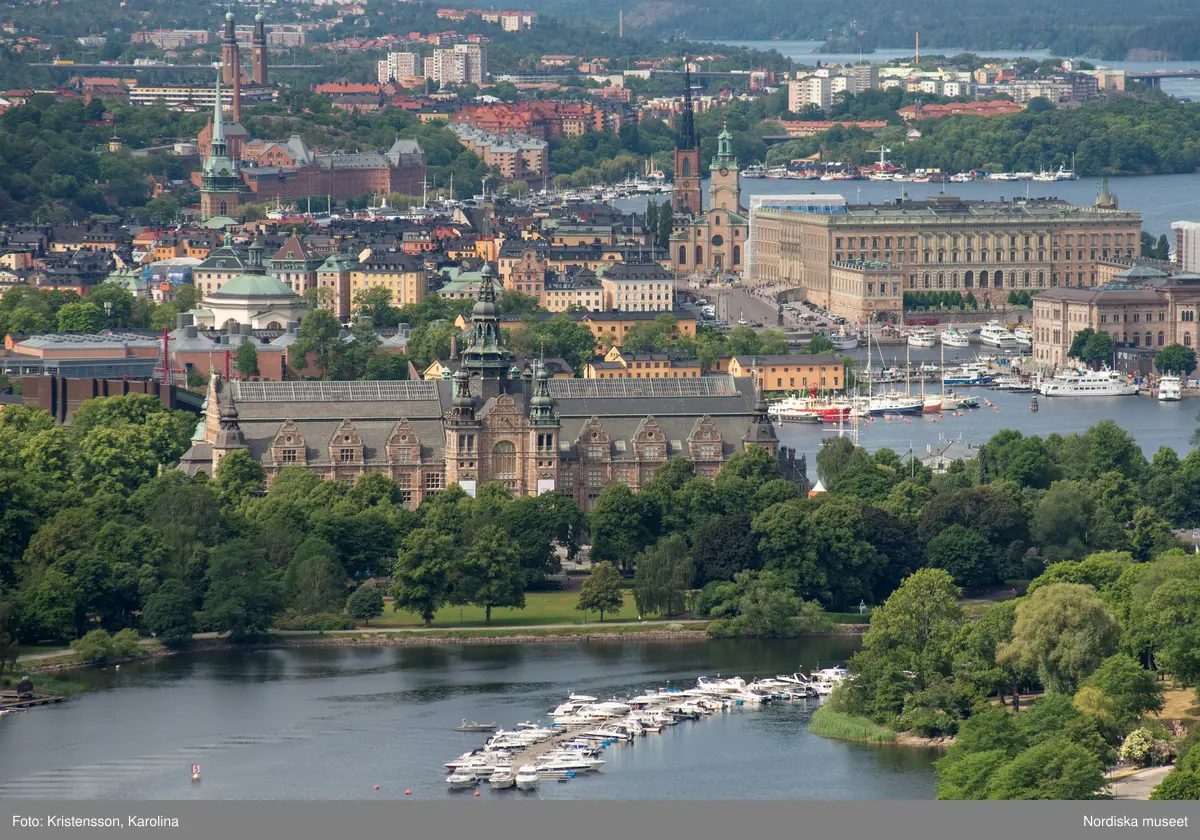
{"type": "Point", "coordinates": [637, 287]}
{"type": "Point", "coordinates": [517, 156]}
{"type": "Point", "coordinates": [618, 363]}
{"type": "Point", "coordinates": [824, 371]}
{"type": "Point", "coordinates": [401, 274]}
{"type": "Point", "coordinates": [862, 291]}
{"type": "Point", "coordinates": [943, 243]}
{"type": "Point", "coordinates": [1187, 245]}
{"type": "Point", "coordinates": [397, 65]}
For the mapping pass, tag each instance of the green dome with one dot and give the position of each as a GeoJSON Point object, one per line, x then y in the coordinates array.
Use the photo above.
{"type": "Point", "coordinates": [255, 286]}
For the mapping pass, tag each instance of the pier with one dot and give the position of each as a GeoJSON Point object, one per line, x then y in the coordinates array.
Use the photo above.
{"type": "Point", "coordinates": [12, 700]}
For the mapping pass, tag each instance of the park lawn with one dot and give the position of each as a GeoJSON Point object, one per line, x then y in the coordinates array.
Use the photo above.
{"type": "Point", "coordinates": [540, 608]}
{"type": "Point", "coordinates": [1179, 704]}
{"type": "Point", "coordinates": [44, 647]}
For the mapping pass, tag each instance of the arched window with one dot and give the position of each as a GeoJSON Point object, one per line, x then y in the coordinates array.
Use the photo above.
{"type": "Point", "coordinates": [504, 460]}
{"type": "Point", "coordinates": [1137, 339]}
{"type": "Point", "coordinates": [954, 280]}
{"type": "Point", "coordinates": [699, 256]}
{"type": "Point", "coordinates": [1149, 340]}
{"type": "Point", "coordinates": [926, 278]}
{"type": "Point", "coordinates": [224, 207]}
{"type": "Point", "coordinates": [1012, 279]}
{"type": "Point", "coordinates": [941, 280]}
{"type": "Point", "coordinates": [1041, 279]}
{"type": "Point", "coordinates": [687, 167]}
{"type": "Point", "coordinates": [683, 255]}
{"type": "Point", "coordinates": [1187, 339]}
{"type": "Point", "coordinates": [737, 254]}
{"type": "Point", "coordinates": [968, 279]}
{"type": "Point", "coordinates": [1161, 338]}
{"type": "Point", "coordinates": [983, 278]}
{"type": "Point", "coordinates": [1025, 280]}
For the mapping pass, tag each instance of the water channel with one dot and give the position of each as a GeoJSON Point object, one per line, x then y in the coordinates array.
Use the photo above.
{"type": "Point", "coordinates": [331, 723]}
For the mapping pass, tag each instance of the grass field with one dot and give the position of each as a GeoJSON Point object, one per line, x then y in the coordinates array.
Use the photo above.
{"type": "Point", "coordinates": [830, 724]}
{"type": "Point", "coordinates": [540, 608]}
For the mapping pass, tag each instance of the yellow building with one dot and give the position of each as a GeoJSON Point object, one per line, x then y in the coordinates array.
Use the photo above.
{"type": "Point", "coordinates": [823, 371]}
{"type": "Point", "coordinates": [621, 364]}
{"type": "Point", "coordinates": [610, 328]}
{"type": "Point", "coordinates": [637, 287]}
{"type": "Point", "coordinates": [401, 274]}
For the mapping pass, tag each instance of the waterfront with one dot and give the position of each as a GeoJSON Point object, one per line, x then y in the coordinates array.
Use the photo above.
{"type": "Point", "coordinates": [322, 723]}
{"type": "Point", "coordinates": [806, 52]}
{"type": "Point", "coordinates": [1161, 199]}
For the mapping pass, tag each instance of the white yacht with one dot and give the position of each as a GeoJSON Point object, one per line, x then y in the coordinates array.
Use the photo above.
{"type": "Point", "coordinates": [1169, 388]}
{"type": "Point", "coordinates": [995, 334]}
{"type": "Point", "coordinates": [503, 778]}
{"type": "Point", "coordinates": [527, 777]}
{"type": "Point", "coordinates": [953, 338]}
{"type": "Point", "coordinates": [922, 337]}
{"type": "Point", "coordinates": [460, 779]}
{"type": "Point", "coordinates": [826, 679]}
{"type": "Point", "coordinates": [1088, 383]}
{"type": "Point", "coordinates": [1024, 336]}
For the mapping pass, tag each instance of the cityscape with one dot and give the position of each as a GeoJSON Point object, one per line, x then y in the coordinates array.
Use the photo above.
{"type": "Point", "coordinates": [537, 385]}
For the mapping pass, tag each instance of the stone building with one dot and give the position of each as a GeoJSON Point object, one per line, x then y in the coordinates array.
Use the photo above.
{"type": "Point", "coordinates": [492, 422]}
{"type": "Point", "coordinates": [944, 243]}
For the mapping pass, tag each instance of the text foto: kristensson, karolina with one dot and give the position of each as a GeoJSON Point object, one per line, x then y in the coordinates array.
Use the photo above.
{"type": "Point", "coordinates": [63, 821]}
{"type": "Point", "coordinates": [1136, 822]}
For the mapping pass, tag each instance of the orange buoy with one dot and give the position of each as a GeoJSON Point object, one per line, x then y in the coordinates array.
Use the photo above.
{"type": "Point", "coordinates": [476, 793]}
{"type": "Point", "coordinates": [376, 787]}
{"type": "Point", "coordinates": [407, 792]}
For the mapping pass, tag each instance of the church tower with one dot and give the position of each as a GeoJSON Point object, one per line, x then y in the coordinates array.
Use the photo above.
{"type": "Point", "coordinates": [686, 196]}
{"type": "Point", "coordinates": [258, 51]}
{"type": "Point", "coordinates": [220, 186]}
{"type": "Point", "coordinates": [724, 193]}
{"type": "Point", "coordinates": [231, 64]}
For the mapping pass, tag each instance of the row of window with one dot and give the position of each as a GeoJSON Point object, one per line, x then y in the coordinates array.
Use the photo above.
{"type": "Point", "coordinates": [1025, 240]}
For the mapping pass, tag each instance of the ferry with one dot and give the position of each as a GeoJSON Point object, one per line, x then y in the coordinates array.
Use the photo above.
{"type": "Point", "coordinates": [1169, 388]}
{"type": "Point", "coordinates": [808, 410]}
{"type": "Point", "coordinates": [953, 338]}
{"type": "Point", "coordinates": [754, 170]}
{"type": "Point", "coordinates": [922, 337]}
{"type": "Point", "coordinates": [995, 334]}
{"type": "Point", "coordinates": [1088, 383]}
{"type": "Point", "coordinates": [843, 340]}
{"type": "Point", "coordinates": [971, 373]}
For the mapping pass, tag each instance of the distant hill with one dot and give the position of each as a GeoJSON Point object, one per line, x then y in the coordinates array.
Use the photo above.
{"type": "Point", "coordinates": [1108, 29]}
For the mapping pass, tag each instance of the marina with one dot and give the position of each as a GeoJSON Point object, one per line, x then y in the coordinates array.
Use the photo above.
{"type": "Point", "coordinates": [584, 727]}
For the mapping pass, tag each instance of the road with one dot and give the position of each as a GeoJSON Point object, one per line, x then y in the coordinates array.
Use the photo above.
{"type": "Point", "coordinates": [732, 304]}
{"type": "Point", "coordinates": [1138, 785]}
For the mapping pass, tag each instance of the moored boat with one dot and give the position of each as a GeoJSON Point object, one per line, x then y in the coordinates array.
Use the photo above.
{"type": "Point", "coordinates": [1169, 388]}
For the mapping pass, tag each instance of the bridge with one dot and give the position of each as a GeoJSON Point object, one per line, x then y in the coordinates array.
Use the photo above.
{"type": "Point", "coordinates": [165, 68]}
{"type": "Point", "coordinates": [1154, 77]}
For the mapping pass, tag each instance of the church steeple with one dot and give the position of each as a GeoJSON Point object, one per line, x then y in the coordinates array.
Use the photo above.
{"type": "Point", "coordinates": [220, 185]}
{"type": "Point", "coordinates": [685, 135]}
{"type": "Point", "coordinates": [541, 404]}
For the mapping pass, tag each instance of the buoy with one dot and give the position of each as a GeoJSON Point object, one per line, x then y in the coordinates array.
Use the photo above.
{"type": "Point", "coordinates": [376, 787]}
{"type": "Point", "coordinates": [909, 422]}
{"type": "Point", "coordinates": [407, 792]}
{"type": "Point", "coordinates": [195, 777]}
{"type": "Point", "coordinates": [476, 793]}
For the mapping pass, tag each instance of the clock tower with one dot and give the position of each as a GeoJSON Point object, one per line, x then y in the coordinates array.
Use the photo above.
{"type": "Point", "coordinates": [220, 185]}
{"type": "Point", "coordinates": [685, 198]}
{"type": "Point", "coordinates": [724, 192]}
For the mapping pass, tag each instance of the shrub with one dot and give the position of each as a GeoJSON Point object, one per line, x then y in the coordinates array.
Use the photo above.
{"type": "Point", "coordinates": [126, 643]}
{"type": "Point", "coordinates": [96, 646]}
{"type": "Point", "coordinates": [1143, 749]}
{"type": "Point", "coordinates": [928, 723]}
{"type": "Point", "coordinates": [314, 621]}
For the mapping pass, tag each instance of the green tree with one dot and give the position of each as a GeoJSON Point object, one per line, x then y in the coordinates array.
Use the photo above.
{"type": "Point", "coordinates": [601, 592]}
{"type": "Point", "coordinates": [95, 647]}
{"type": "Point", "coordinates": [240, 476]}
{"type": "Point", "coordinates": [365, 603]}
{"type": "Point", "coordinates": [1098, 350]}
{"type": "Point", "coordinates": [723, 548]}
{"type": "Point", "coordinates": [762, 605]}
{"type": "Point", "coordinates": [622, 524]}
{"type": "Point", "coordinates": [319, 337]}
{"type": "Point", "coordinates": [1173, 616]}
{"type": "Point", "coordinates": [80, 318]}
{"type": "Point", "coordinates": [819, 344]}
{"type": "Point", "coordinates": [491, 572]}
{"type": "Point", "coordinates": [833, 457]}
{"type": "Point", "coordinates": [422, 578]}
{"type": "Point", "coordinates": [1056, 769]}
{"type": "Point", "coordinates": [1063, 631]}
{"type": "Point", "coordinates": [241, 598]}
{"type": "Point", "coordinates": [1175, 358]}
{"type": "Point", "coordinates": [320, 584]}
{"type": "Point", "coordinates": [1132, 690]}
{"type": "Point", "coordinates": [247, 359]}
{"type": "Point", "coordinates": [1178, 784]}
{"type": "Point", "coordinates": [664, 573]}
{"type": "Point", "coordinates": [964, 554]}
{"type": "Point", "coordinates": [168, 614]}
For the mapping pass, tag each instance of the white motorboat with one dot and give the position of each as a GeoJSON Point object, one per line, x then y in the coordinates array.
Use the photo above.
{"type": "Point", "coordinates": [472, 726]}
{"type": "Point", "coordinates": [1088, 383]}
{"type": "Point", "coordinates": [1024, 336]}
{"type": "Point", "coordinates": [953, 338]}
{"type": "Point", "coordinates": [827, 679]}
{"type": "Point", "coordinates": [527, 777]}
{"type": "Point", "coordinates": [503, 778]}
{"type": "Point", "coordinates": [459, 780]}
{"type": "Point", "coordinates": [995, 334]}
{"type": "Point", "coordinates": [922, 337]}
{"type": "Point", "coordinates": [1169, 388]}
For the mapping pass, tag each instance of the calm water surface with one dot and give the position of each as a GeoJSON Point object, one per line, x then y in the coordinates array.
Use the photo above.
{"type": "Point", "coordinates": [332, 723]}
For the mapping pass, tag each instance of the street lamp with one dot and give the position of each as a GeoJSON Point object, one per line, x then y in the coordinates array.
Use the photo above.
{"type": "Point", "coordinates": [108, 314]}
